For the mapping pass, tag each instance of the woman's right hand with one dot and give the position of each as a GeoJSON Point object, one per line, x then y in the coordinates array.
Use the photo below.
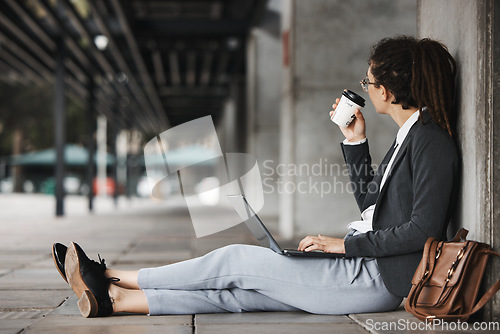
{"type": "Point", "coordinates": [356, 130]}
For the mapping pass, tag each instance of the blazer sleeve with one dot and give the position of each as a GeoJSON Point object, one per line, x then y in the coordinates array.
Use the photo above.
{"type": "Point", "coordinates": [359, 164]}
{"type": "Point", "coordinates": [434, 171]}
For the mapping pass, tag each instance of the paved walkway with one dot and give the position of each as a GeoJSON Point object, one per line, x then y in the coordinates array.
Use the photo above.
{"type": "Point", "coordinates": [34, 298]}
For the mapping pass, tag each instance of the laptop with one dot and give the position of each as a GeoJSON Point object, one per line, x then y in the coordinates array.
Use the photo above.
{"type": "Point", "coordinates": [264, 237]}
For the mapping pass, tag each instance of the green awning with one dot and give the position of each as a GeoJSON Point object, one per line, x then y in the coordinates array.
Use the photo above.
{"type": "Point", "coordinates": [74, 155]}
{"type": "Point", "coordinates": [185, 156]}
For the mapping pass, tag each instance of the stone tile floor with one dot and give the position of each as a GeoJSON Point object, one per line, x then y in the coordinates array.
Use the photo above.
{"type": "Point", "coordinates": [136, 233]}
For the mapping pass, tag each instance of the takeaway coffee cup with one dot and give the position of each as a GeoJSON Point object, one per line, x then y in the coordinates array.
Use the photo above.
{"type": "Point", "coordinates": [344, 113]}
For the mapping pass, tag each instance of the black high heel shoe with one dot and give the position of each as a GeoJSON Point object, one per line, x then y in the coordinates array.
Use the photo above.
{"type": "Point", "coordinates": [59, 256]}
{"type": "Point", "coordinates": [89, 283]}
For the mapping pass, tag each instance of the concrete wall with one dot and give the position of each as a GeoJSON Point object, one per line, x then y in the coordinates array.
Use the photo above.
{"type": "Point", "coordinates": [471, 32]}
{"type": "Point", "coordinates": [328, 46]}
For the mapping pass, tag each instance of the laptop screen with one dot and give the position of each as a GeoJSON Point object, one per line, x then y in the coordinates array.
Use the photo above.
{"type": "Point", "coordinates": [253, 222]}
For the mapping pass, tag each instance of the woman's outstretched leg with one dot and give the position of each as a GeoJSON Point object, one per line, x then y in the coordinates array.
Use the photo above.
{"type": "Point", "coordinates": [328, 286]}
{"type": "Point", "coordinates": [232, 279]}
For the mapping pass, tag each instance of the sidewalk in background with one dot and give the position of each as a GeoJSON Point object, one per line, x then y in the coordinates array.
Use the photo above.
{"type": "Point", "coordinates": [138, 233]}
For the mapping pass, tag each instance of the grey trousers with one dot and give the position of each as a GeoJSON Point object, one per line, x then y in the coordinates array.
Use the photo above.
{"type": "Point", "coordinates": [243, 278]}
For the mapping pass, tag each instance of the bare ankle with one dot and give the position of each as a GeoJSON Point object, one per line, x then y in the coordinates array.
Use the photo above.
{"type": "Point", "coordinates": [115, 297]}
{"type": "Point", "coordinates": [126, 300]}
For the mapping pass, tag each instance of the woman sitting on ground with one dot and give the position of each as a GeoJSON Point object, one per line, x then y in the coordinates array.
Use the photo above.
{"type": "Point", "coordinates": [410, 198]}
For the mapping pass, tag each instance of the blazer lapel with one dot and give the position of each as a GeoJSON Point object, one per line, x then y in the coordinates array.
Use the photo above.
{"type": "Point", "coordinates": [396, 162]}
{"type": "Point", "coordinates": [374, 185]}
{"type": "Point", "coordinates": [402, 150]}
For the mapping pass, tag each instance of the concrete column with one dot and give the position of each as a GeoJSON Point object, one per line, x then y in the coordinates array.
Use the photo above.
{"type": "Point", "coordinates": [326, 44]}
{"type": "Point", "coordinates": [60, 127]}
{"type": "Point", "coordinates": [134, 154]}
{"type": "Point", "coordinates": [101, 155]}
{"type": "Point", "coordinates": [91, 141]}
{"type": "Point", "coordinates": [121, 159]}
{"type": "Point", "coordinates": [493, 7]}
{"type": "Point", "coordinates": [114, 129]}
{"type": "Point", "coordinates": [232, 125]}
{"type": "Point", "coordinates": [263, 101]}
{"type": "Point", "coordinates": [471, 32]}
{"type": "Point", "coordinates": [287, 124]}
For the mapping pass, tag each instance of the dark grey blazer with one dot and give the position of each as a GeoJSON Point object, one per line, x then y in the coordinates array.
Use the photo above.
{"type": "Point", "coordinates": [417, 201]}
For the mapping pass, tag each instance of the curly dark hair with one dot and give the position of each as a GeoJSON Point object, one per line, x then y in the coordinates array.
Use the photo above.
{"type": "Point", "coordinates": [418, 73]}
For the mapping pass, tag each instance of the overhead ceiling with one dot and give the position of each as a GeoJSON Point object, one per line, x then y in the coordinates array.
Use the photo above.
{"type": "Point", "coordinates": [164, 62]}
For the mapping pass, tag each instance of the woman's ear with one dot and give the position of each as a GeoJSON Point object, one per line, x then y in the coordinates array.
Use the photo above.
{"type": "Point", "coordinates": [385, 93]}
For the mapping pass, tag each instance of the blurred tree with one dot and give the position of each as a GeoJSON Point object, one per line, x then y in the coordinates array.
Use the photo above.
{"type": "Point", "coordinates": [27, 119]}
{"type": "Point", "coordinates": [27, 116]}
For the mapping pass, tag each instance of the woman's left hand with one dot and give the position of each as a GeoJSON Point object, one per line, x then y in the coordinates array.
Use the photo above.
{"type": "Point", "coordinates": [325, 244]}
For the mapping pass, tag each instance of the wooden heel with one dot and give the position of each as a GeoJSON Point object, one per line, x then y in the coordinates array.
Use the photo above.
{"type": "Point", "coordinates": [88, 305]}
{"type": "Point", "coordinates": [73, 272]}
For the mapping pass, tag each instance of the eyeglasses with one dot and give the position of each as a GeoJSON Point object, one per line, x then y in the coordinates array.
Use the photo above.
{"type": "Point", "coordinates": [365, 82]}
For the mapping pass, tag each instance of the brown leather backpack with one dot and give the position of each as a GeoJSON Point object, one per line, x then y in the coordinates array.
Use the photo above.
{"type": "Point", "coordinates": [447, 280]}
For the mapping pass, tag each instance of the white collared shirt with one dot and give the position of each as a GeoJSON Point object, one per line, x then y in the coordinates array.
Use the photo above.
{"type": "Point", "coordinates": [365, 224]}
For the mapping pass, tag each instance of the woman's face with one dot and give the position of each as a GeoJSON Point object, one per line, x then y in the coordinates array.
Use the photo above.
{"type": "Point", "coordinates": [376, 94]}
